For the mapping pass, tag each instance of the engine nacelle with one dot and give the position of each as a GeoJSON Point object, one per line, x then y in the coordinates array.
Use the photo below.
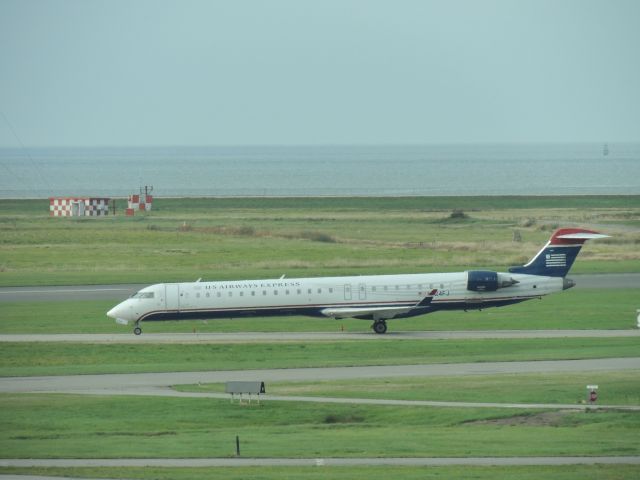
{"type": "Point", "coordinates": [488, 281]}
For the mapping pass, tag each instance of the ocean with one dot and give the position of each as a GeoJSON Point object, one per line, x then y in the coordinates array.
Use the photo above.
{"type": "Point", "coordinates": [483, 169]}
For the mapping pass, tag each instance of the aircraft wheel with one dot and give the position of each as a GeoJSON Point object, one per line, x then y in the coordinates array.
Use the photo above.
{"type": "Point", "coordinates": [380, 327]}
{"type": "Point", "coordinates": [137, 330]}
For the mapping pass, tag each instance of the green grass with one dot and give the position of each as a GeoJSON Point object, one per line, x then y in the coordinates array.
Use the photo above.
{"type": "Point", "coordinates": [440, 203]}
{"type": "Point", "coordinates": [63, 426]}
{"type": "Point", "coordinates": [27, 359]}
{"type": "Point", "coordinates": [570, 472]}
{"type": "Point", "coordinates": [615, 388]}
{"type": "Point", "coordinates": [572, 309]}
{"type": "Point", "coordinates": [173, 206]}
{"type": "Point", "coordinates": [183, 239]}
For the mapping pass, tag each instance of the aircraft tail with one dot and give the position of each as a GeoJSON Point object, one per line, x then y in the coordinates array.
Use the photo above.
{"type": "Point", "coordinates": [557, 256]}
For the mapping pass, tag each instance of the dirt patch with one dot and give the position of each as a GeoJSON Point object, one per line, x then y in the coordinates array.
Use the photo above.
{"type": "Point", "coordinates": [542, 419]}
{"type": "Point", "coordinates": [343, 418]}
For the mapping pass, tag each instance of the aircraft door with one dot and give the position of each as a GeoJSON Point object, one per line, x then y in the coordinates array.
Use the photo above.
{"type": "Point", "coordinates": [347, 292]}
{"type": "Point", "coordinates": [362, 291]}
{"type": "Point", "coordinates": [172, 296]}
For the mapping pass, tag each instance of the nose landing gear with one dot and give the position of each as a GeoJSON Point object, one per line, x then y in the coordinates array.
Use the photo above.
{"type": "Point", "coordinates": [137, 330]}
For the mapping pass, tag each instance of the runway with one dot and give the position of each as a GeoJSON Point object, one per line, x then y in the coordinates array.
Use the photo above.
{"type": "Point", "coordinates": [68, 293]}
{"type": "Point", "coordinates": [149, 383]}
{"type": "Point", "coordinates": [120, 292]}
{"type": "Point", "coordinates": [275, 337]}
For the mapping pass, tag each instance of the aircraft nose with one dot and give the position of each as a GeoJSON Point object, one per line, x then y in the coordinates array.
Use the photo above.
{"type": "Point", "coordinates": [119, 312]}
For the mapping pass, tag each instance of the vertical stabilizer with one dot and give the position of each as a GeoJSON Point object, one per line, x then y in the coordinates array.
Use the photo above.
{"type": "Point", "coordinates": [557, 256]}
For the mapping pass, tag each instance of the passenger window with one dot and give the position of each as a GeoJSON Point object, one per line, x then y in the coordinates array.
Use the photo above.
{"type": "Point", "coordinates": [299, 292]}
{"type": "Point", "coordinates": [373, 289]}
{"type": "Point", "coordinates": [198, 295]}
{"type": "Point", "coordinates": [275, 292]}
{"type": "Point", "coordinates": [319, 290]}
{"type": "Point", "coordinates": [286, 292]}
{"type": "Point", "coordinates": [219, 294]}
{"type": "Point", "coordinates": [309, 291]}
{"type": "Point", "coordinates": [208, 294]}
{"type": "Point", "coordinates": [231, 294]}
{"type": "Point", "coordinates": [253, 293]}
{"type": "Point", "coordinates": [264, 292]}
{"type": "Point", "coordinates": [242, 294]}
{"type": "Point", "coordinates": [331, 290]}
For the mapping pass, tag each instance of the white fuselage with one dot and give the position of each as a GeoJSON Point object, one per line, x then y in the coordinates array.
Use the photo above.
{"type": "Point", "coordinates": [375, 297]}
{"type": "Point", "coordinates": [372, 297]}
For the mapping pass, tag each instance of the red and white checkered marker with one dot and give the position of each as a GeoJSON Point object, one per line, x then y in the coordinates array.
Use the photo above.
{"type": "Point", "coordinates": [78, 206]}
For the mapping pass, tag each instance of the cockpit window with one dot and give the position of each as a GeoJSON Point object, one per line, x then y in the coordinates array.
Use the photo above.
{"type": "Point", "coordinates": [143, 295]}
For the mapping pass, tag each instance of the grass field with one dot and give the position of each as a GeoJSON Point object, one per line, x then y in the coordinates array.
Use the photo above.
{"type": "Point", "coordinates": [25, 359]}
{"type": "Point", "coordinates": [63, 426]}
{"type": "Point", "coordinates": [184, 239]}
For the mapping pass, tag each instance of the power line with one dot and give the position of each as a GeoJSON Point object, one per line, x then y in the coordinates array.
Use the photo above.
{"type": "Point", "coordinates": [25, 151]}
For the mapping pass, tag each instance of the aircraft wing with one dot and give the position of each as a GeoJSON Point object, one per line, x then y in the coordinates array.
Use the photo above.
{"type": "Point", "coordinates": [374, 312]}
{"type": "Point", "coordinates": [377, 313]}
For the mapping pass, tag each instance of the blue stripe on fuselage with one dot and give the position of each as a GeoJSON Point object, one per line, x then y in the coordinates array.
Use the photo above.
{"type": "Point", "coordinates": [316, 310]}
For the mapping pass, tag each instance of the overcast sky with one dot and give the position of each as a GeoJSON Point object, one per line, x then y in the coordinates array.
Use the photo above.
{"type": "Point", "coordinates": [242, 72]}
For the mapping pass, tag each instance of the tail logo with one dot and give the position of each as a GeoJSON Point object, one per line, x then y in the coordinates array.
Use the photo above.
{"type": "Point", "coordinates": [556, 260]}
{"type": "Point", "coordinates": [549, 261]}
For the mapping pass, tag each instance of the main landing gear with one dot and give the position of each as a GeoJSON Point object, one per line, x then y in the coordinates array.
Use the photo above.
{"type": "Point", "coordinates": [379, 326]}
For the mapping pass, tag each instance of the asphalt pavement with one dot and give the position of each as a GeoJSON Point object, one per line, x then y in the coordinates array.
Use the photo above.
{"type": "Point", "coordinates": [68, 293]}
{"type": "Point", "coordinates": [143, 383]}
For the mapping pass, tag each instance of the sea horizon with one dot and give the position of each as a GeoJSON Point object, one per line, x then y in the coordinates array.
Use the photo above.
{"type": "Point", "coordinates": [443, 169]}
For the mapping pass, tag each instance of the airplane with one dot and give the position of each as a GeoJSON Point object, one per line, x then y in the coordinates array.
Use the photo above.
{"type": "Point", "coordinates": [373, 297]}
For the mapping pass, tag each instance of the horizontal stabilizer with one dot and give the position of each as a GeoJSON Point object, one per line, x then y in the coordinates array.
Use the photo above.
{"type": "Point", "coordinates": [583, 236]}
{"type": "Point", "coordinates": [573, 236]}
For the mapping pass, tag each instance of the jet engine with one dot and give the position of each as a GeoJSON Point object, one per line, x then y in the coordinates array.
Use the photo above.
{"type": "Point", "coordinates": [488, 281]}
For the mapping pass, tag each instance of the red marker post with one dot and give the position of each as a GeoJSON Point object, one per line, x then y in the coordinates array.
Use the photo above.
{"type": "Point", "coordinates": [592, 394]}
